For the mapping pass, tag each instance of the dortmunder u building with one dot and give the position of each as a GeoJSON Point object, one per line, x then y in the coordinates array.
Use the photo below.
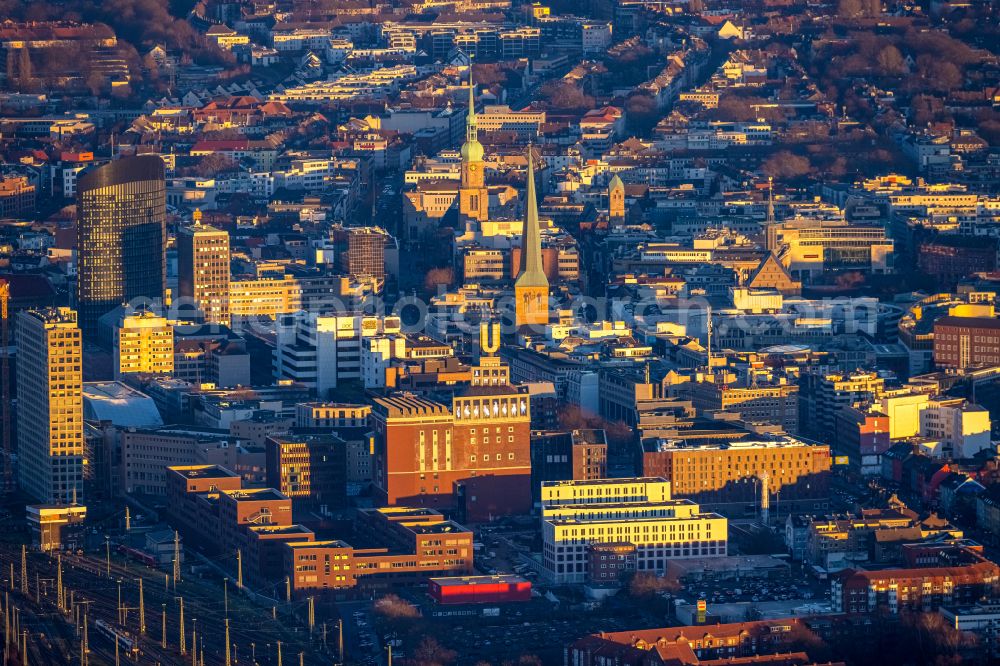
{"type": "Point", "coordinates": [121, 237]}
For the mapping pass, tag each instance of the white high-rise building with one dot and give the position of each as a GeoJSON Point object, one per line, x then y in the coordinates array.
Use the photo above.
{"type": "Point", "coordinates": [323, 351]}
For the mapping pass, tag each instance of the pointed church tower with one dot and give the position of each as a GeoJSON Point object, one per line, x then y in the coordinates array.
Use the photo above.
{"type": "Point", "coordinates": [473, 197]}
{"type": "Point", "coordinates": [616, 199]}
{"type": "Point", "coordinates": [531, 289]}
{"type": "Point", "coordinates": [770, 200]}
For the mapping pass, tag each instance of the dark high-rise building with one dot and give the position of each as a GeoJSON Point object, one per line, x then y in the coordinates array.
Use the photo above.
{"type": "Point", "coordinates": [308, 467]}
{"type": "Point", "coordinates": [121, 239]}
{"type": "Point", "coordinates": [571, 455]}
{"type": "Point", "coordinates": [362, 252]}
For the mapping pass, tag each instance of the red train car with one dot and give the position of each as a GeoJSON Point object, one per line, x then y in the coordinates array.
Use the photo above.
{"type": "Point", "coordinates": [479, 589]}
{"type": "Point", "coordinates": [138, 555]}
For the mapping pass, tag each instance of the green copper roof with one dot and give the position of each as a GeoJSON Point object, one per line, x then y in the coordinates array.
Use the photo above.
{"type": "Point", "coordinates": [472, 150]}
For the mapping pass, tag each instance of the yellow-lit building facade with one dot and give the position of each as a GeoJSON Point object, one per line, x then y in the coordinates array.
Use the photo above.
{"type": "Point", "coordinates": [637, 511]}
{"type": "Point", "coordinates": [144, 342]}
{"type": "Point", "coordinates": [50, 405]}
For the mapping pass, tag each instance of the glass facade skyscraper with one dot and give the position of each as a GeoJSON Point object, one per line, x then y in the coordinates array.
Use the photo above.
{"type": "Point", "coordinates": [121, 236]}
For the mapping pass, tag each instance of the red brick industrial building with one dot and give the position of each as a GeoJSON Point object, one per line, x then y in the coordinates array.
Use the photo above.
{"type": "Point", "coordinates": [472, 456]}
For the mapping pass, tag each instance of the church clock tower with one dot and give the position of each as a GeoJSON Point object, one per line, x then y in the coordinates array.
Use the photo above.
{"type": "Point", "coordinates": [473, 197]}
{"type": "Point", "coordinates": [531, 289]}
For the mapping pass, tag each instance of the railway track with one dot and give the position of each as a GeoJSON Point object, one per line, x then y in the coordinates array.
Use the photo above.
{"type": "Point", "coordinates": [53, 635]}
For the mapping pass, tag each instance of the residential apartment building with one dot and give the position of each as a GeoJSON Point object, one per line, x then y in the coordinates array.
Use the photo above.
{"type": "Point", "coordinates": [900, 591]}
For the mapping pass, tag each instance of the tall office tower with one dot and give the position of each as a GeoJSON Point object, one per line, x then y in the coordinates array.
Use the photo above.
{"type": "Point", "coordinates": [50, 404]}
{"type": "Point", "coordinates": [144, 342]}
{"type": "Point", "coordinates": [203, 269]}
{"type": "Point", "coordinates": [120, 236]}
{"type": "Point", "coordinates": [531, 289]}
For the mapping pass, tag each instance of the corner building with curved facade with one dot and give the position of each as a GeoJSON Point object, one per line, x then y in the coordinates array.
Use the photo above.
{"type": "Point", "coordinates": [121, 236]}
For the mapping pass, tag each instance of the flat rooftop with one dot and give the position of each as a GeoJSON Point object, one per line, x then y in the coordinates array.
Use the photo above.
{"type": "Point", "coordinates": [255, 494]}
{"type": "Point", "coordinates": [203, 471]}
{"type": "Point", "coordinates": [405, 511]}
{"type": "Point", "coordinates": [460, 581]}
{"type": "Point", "coordinates": [605, 482]}
{"type": "Point", "coordinates": [662, 444]}
{"type": "Point", "coordinates": [328, 543]}
{"type": "Point", "coordinates": [446, 527]}
{"type": "Point", "coordinates": [619, 521]}
{"type": "Point", "coordinates": [596, 506]}
{"type": "Point", "coordinates": [280, 529]}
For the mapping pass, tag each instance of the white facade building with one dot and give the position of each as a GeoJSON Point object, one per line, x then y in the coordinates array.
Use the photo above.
{"type": "Point", "coordinates": [639, 511]}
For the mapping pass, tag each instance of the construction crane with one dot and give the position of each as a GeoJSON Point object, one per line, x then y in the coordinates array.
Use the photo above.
{"type": "Point", "coordinates": [8, 454]}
